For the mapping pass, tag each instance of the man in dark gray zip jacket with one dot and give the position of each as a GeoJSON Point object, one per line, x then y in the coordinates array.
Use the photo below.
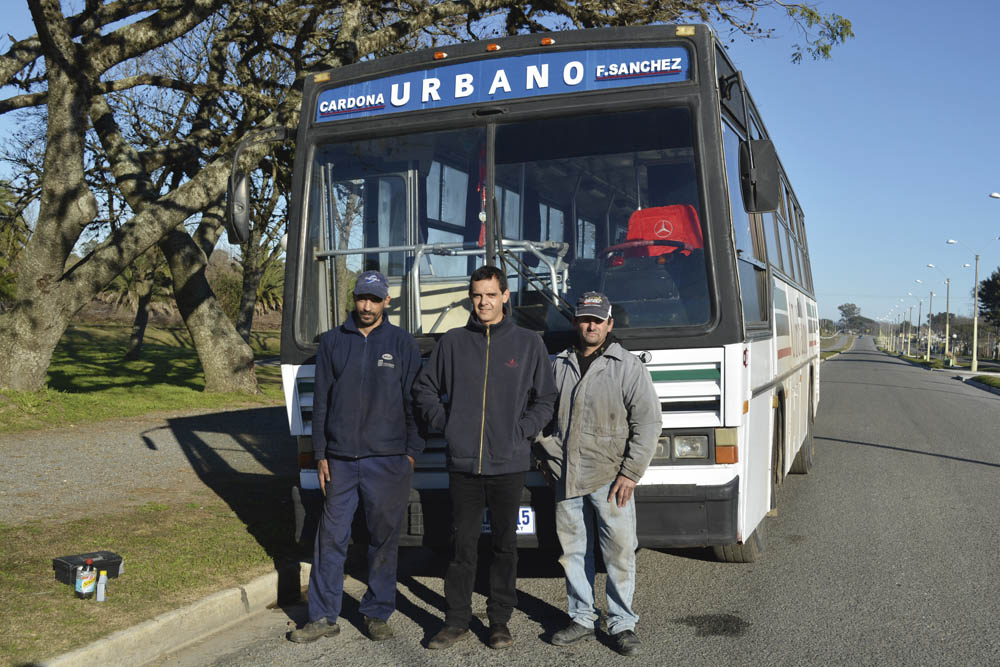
{"type": "Point", "coordinates": [488, 387]}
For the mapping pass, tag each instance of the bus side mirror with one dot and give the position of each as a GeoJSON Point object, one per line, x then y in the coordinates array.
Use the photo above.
{"type": "Point", "coordinates": [759, 176]}
{"type": "Point", "coordinates": [238, 209]}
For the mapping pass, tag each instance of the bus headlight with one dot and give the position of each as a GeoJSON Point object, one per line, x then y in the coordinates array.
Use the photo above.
{"type": "Point", "coordinates": [690, 446]}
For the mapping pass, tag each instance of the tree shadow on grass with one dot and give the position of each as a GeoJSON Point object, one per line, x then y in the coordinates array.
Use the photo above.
{"type": "Point", "coordinates": [81, 365]}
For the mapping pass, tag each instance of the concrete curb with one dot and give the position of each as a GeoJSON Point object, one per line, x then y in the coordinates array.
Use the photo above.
{"type": "Point", "coordinates": [980, 385]}
{"type": "Point", "coordinates": [176, 629]}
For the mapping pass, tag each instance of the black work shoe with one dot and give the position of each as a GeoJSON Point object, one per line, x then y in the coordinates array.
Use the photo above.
{"type": "Point", "coordinates": [626, 643]}
{"type": "Point", "coordinates": [447, 637]}
{"type": "Point", "coordinates": [312, 631]}
{"type": "Point", "coordinates": [571, 634]}
{"type": "Point", "coordinates": [377, 629]}
{"type": "Point", "coordinates": [500, 636]}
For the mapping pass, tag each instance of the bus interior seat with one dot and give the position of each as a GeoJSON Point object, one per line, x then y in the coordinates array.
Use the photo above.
{"type": "Point", "coordinates": [677, 222]}
{"type": "Point", "coordinates": [533, 310]}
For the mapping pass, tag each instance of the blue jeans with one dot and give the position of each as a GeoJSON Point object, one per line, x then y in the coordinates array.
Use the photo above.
{"type": "Point", "coordinates": [382, 484]}
{"type": "Point", "coordinates": [615, 527]}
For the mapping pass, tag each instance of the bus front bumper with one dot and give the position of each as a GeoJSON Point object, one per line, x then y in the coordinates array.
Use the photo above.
{"type": "Point", "coordinates": [668, 516]}
{"type": "Point", "coordinates": [686, 515]}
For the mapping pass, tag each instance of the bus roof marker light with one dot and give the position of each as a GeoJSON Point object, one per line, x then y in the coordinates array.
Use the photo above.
{"type": "Point", "coordinates": [492, 47]}
{"type": "Point", "coordinates": [685, 31]}
{"type": "Point", "coordinates": [321, 78]}
{"type": "Point", "coordinates": [548, 41]}
{"type": "Point", "coordinates": [440, 55]}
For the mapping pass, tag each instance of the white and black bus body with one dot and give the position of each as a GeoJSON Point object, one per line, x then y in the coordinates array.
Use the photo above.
{"type": "Point", "coordinates": [615, 159]}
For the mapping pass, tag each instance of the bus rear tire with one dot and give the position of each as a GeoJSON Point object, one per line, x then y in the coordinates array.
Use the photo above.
{"type": "Point", "coordinates": [748, 552]}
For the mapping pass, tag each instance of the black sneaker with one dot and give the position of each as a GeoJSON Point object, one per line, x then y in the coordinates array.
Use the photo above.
{"type": "Point", "coordinates": [377, 629]}
{"type": "Point", "coordinates": [312, 631]}
{"type": "Point", "coordinates": [572, 633]}
{"type": "Point", "coordinates": [500, 636]}
{"type": "Point", "coordinates": [626, 643]}
{"type": "Point", "coordinates": [447, 637]}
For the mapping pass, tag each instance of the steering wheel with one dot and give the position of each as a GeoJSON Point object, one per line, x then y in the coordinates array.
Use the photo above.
{"type": "Point", "coordinates": [644, 243]}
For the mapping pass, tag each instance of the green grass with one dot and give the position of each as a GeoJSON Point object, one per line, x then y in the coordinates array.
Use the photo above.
{"type": "Point", "coordinates": [988, 380]}
{"type": "Point", "coordinates": [174, 553]}
{"type": "Point", "coordinates": [920, 361]}
{"type": "Point", "coordinates": [826, 354]}
{"type": "Point", "coordinates": [88, 381]}
{"type": "Point", "coordinates": [177, 549]}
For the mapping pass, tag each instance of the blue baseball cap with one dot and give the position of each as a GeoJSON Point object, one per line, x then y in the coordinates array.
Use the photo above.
{"type": "Point", "coordinates": [593, 304]}
{"type": "Point", "coordinates": [373, 283]}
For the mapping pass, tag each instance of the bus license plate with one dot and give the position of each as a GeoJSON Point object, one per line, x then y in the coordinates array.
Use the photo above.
{"type": "Point", "coordinates": [525, 521]}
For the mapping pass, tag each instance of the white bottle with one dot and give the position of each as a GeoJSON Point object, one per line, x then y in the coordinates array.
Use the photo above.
{"type": "Point", "coordinates": [102, 585]}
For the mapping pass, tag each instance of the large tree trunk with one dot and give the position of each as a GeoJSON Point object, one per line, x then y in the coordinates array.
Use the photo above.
{"type": "Point", "coordinates": [225, 358]}
{"type": "Point", "coordinates": [47, 294]}
{"type": "Point", "coordinates": [144, 287]}
{"type": "Point", "coordinates": [28, 336]}
{"type": "Point", "coordinates": [248, 302]}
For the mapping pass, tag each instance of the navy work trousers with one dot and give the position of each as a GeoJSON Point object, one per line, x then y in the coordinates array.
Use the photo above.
{"type": "Point", "coordinates": [382, 484]}
{"type": "Point", "coordinates": [470, 494]}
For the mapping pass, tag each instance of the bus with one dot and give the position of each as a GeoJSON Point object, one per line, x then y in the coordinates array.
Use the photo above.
{"type": "Point", "coordinates": [631, 161]}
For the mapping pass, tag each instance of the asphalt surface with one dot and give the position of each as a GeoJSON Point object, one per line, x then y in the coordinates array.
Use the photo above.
{"type": "Point", "coordinates": [885, 554]}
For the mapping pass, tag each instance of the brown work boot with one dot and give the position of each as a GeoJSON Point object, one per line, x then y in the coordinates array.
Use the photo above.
{"type": "Point", "coordinates": [377, 629]}
{"type": "Point", "coordinates": [500, 636]}
{"type": "Point", "coordinates": [312, 631]}
{"type": "Point", "coordinates": [448, 637]}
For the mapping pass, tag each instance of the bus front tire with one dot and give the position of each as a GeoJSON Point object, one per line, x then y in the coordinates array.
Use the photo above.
{"type": "Point", "coordinates": [749, 551]}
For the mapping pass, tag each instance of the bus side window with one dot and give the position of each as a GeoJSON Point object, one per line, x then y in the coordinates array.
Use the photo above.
{"type": "Point", "coordinates": [752, 270]}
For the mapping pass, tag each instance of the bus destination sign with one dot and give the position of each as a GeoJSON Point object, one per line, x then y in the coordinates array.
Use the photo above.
{"type": "Point", "coordinates": [502, 79]}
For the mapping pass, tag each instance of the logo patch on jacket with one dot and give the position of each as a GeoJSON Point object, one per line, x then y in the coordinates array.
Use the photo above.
{"type": "Point", "coordinates": [386, 361]}
{"type": "Point", "coordinates": [512, 363]}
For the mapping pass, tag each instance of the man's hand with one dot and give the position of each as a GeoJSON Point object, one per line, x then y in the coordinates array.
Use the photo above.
{"type": "Point", "coordinates": [323, 469]}
{"type": "Point", "coordinates": [622, 490]}
{"type": "Point", "coordinates": [413, 464]}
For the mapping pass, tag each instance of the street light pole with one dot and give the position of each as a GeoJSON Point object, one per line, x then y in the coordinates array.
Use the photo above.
{"type": "Point", "coordinates": [920, 319]}
{"type": "Point", "coordinates": [975, 320]}
{"type": "Point", "coordinates": [930, 329]}
{"type": "Point", "coordinates": [975, 301]}
{"type": "Point", "coordinates": [947, 314]}
{"type": "Point", "coordinates": [909, 330]}
{"type": "Point", "coordinates": [947, 308]}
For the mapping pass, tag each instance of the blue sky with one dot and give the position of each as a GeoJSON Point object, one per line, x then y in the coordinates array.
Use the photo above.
{"type": "Point", "coordinates": [892, 147]}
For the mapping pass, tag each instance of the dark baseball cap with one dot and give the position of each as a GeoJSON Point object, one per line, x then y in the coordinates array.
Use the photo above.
{"type": "Point", "coordinates": [373, 283]}
{"type": "Point", "coordinates": [593, 304]}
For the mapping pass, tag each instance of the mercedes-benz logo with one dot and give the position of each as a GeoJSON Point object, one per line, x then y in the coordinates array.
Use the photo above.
{"type": "Point", "coordinates": [663, 229]}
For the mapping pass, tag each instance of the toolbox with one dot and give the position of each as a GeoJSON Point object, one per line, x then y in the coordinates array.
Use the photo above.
{"type": "Point", "coordinates": [66, 566]}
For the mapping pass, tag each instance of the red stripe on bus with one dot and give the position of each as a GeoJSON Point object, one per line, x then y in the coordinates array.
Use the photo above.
{"type": "Point", "coordinates": [784, 352]}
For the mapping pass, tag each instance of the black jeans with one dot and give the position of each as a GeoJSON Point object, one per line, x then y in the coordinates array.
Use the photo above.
{"type": "Point", "coordinates": [469, 495]}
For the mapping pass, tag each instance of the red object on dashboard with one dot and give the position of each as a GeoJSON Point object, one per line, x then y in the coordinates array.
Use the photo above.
{"type": "Point", "coordinates": [677, 222]}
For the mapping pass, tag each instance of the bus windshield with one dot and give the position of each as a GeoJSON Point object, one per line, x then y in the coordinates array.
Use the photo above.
{"type": "Point", "coordinates": [608, 202]}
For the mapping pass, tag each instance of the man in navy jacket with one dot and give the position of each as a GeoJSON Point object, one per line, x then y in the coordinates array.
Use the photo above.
{"type": "Point", "coordinates": [364, 441]}
{"type": "Point", "coordinates": [488, 387]}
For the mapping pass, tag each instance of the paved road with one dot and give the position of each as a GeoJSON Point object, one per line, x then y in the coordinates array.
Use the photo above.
{"type": "Point", "coordinates": [885, 554]}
